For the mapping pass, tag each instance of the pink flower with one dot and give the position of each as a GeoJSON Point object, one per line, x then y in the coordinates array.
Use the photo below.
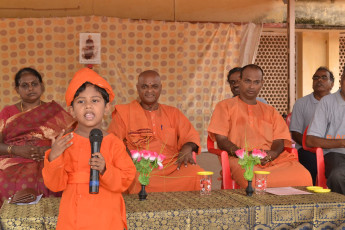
{"type": "Point", "coordinates": [258, 153]}
{"type": "Point", "coordinates": [160, 165]}
{"type": "Point", "coordinates": [145, 154]}
{"type": "Point", "coordinates": [160, 158]}
{"type": "Point", "coordinates": [135, 155]}
{"type": "Point", "coordinates": [153, 156]}
{"type": "Point", "coordinates": [240, 153]}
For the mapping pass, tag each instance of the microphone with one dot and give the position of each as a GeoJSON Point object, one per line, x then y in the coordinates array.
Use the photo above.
{"type": "Point", "coordinates": [95, 137]}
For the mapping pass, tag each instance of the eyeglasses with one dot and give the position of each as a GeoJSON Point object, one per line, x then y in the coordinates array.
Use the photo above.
{"type": "Point", "coordinates": [323, 77]}
{"type": "Point", "coordinates": [26, 85]}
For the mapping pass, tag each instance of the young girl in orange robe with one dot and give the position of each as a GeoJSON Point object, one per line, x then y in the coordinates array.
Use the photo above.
{"type": "Point", "coordinates": [67, 164]}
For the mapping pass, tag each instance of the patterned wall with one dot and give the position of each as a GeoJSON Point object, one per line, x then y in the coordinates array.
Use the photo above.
{"type": "Point", "coordinates": [341, 54]}
{"type": "Point", "coordinates": [192, 58]}
{"type": "Point", "coordinates": [272, 56]}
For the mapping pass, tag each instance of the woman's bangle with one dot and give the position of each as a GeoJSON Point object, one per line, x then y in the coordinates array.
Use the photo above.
{"type": "Point", "coordinates": [9, 150]}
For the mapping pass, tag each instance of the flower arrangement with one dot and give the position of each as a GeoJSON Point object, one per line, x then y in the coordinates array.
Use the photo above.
{"type": "Point", "coordinates": [145, 161]}
{"type": "Point", "coordinates": [247, 161]}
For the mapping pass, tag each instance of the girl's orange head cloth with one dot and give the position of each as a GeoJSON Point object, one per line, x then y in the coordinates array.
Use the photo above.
{"type": "Point", "coordinates": [86, 75]}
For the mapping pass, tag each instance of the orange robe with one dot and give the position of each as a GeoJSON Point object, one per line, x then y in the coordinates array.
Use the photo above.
{"type": "Point", "coordinates": [257, 126]}
{"type": "Point", "coordinates": [70, 173]}
{"type": "Point", "coordinates": [164, 131]}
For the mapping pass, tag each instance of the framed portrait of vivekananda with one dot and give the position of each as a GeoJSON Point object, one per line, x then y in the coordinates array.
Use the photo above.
{"type": "Point", "coordinates": [89, 48]}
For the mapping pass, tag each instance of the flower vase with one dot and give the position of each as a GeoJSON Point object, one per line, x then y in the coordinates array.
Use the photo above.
{"type": "Point", "coordinates": [142, 193]}
{"type": "Point", "coordinates": [249, 189]}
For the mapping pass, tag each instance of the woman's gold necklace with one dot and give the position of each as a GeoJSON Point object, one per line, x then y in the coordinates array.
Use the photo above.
{"type": "Point", "coordinates": [21, 105]}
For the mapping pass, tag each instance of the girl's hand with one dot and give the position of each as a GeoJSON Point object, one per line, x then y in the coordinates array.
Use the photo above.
{"type": "Point", "coordinates": [59, 145]}
{"type": "Point", "coordinates": [98, 162]}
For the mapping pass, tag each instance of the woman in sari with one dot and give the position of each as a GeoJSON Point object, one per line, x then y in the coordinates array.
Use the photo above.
{"type": "Point", "coordinates": [26, 130]}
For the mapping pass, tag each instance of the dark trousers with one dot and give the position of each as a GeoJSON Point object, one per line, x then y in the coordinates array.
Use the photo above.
{"type": "Point", "coordinates": [308, 160]}
{"type": "Point", "coordinates": [335, 171]}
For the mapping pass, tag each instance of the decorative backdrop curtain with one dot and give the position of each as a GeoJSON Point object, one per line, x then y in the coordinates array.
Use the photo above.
{"type": "Point", "coordinates": [192, 58]}
{"type": "Point", "coordinates": [249, 44]}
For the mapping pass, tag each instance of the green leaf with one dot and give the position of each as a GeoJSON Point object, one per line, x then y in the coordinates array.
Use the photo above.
{"type": "Point", "coordinates": [247, 163]}
{"type": "Point", "coordinates": [144, 180]}
{"type": "Point", "coordinates": [249, 174]}
{"type": "Point", "coordinates": [154, 164]}
{"type": "Point", "coordinates": [145, 167]}
{"type": "Point", "coordinates": [241, 162]}
{"type": "Point", "coordinates": [146, 170]}
{"type": "Point", "coordinates": [145, 163]}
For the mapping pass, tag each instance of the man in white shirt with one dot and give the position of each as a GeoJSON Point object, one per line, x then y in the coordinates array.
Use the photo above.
{"type": "Point", "coordinates": [327, 130]}
{"type": "Point", "coordinates": [303, 112]}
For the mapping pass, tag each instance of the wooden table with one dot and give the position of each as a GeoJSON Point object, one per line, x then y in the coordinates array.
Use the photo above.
{"type": "Point", "coordinates": [223, 209]}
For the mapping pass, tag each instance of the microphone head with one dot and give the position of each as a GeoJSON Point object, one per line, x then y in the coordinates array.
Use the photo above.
{"type": "Point", "coordinates": [96, 135]}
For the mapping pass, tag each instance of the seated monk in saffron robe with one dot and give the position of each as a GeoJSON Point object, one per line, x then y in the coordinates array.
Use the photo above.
{"type": "Point", "coordinates": [244, 122]}
{"type": "Point", "coordinates": [162, 129]}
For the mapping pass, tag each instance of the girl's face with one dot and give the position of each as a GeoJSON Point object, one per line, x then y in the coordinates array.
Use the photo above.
{"type": "Point", "coordinates": [30, 89]}
{"type": "Point", "coordinates": [89, 108]}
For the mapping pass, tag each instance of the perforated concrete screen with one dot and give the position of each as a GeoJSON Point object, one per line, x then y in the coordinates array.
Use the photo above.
{"type": "Point", "coordinates": [341, 55]}
{"type": "Point", "coordinates": [272, 57]}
